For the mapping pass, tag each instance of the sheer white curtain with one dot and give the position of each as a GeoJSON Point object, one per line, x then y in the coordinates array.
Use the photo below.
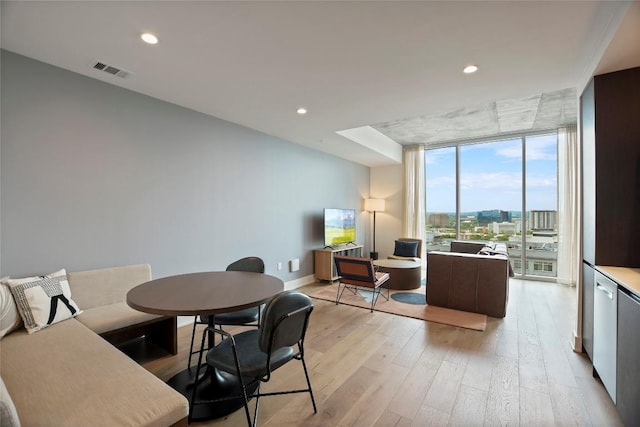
{"type": "Point", "coordinates": [413, 192]}
{"type": "Point", "coordinates": [568, 206]}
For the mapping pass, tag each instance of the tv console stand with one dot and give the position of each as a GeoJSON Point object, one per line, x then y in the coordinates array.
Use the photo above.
{"type": "Point", "coordinates": [325, 266]}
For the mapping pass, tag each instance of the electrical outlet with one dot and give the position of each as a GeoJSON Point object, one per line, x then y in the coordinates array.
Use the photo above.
{"type": "Point", "coordinates": [279, 266]}
{"type": "Point", "coordinates": [294, 265]}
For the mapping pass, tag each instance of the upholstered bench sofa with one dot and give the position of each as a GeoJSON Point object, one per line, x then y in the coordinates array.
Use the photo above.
{"type": "Point", "coordinates": [469, 281]}
{"type": "Point", "coordinates": [69, 373]}
{"type": "Point", "coordinates": [101, 295]}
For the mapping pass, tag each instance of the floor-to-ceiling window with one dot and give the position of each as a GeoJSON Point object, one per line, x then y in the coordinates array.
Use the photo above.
{"type": "Point", "coordinates": [499, 190]}
{"type": "Point", "coordinates": [441, 194]}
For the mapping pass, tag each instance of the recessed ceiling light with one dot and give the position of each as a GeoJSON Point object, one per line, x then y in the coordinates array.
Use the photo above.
{"type": "Point", "coordinates": [149, 38]}
{"type": "Point", "coordinates": [470, 69]}
{"type": "Point", "coordinates": [301, 111]}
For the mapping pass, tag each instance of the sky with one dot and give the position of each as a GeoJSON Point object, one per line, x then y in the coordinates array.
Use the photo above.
{"type": "Point", "coordinates": [491, 176]}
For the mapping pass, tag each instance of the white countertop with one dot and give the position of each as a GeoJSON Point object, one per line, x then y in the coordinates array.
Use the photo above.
{"type": "Point", "coordinates": [625, 276]}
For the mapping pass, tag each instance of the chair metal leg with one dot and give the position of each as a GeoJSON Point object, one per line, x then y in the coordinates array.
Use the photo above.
{"type": "Point", "coordinates": [339, 294]}
{"type": "Point", "coordinates": [243, 385]}
{"type": "Point", "coordinates": [376, 294]}
{"type": "Point", "coordinates": [255, 411]}
{"type": "Point", "coordinates": [374, 298]}
{"type": "Point", "coordinates": [306, 374]}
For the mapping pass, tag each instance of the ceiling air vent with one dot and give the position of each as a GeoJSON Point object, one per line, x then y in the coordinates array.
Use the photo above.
{"type": "Point", "coordinates": [110, 69]}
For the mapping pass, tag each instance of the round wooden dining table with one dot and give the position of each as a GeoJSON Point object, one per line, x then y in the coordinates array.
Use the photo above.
{"type": "Point", "coordinates": [206, 293]}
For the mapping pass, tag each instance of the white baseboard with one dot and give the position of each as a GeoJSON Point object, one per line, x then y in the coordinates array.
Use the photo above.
{"type": "Point", "coordinates": [292, 284]}
{"type": "Point", "coordinates": [576, 343]}
{"type": "Point", "coordinates": [185, 320]}
{"type": "Point", "coordinates": [297, 283]}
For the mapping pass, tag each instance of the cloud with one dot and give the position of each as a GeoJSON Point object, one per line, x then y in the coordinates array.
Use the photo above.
{"type": "Point", "coordinates": [541, 181]}
{"type": "Point", "coordinates": [437, 156]}
{"type": "Point", "coordinates": [491, 181]}
{"type": "Point", "coordinates": [501, 181]}
{"type": "Point", "coordinates": [510, 152]}
{"type": "Point", "coordinates": [538, 148]}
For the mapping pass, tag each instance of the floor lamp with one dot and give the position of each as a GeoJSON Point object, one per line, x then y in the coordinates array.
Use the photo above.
{"type": "Point", "coordinates": [374, 205]}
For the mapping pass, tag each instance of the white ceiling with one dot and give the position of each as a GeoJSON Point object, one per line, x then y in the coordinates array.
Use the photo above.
{"type": "Point", "coordinates": [351, 64]}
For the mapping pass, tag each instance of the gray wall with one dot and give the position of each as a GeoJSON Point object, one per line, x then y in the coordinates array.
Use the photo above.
{"type": "Point", "coordinates": [94, 176]}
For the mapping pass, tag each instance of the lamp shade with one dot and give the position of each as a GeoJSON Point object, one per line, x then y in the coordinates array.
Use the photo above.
{"type": "Point", "coordinates": [374, 205]}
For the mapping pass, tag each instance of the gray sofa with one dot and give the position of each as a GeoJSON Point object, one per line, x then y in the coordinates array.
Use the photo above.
{"type": "Point", "coordinates": [469, 281]}
{"type": "Point", "coordinates": [69, 374]}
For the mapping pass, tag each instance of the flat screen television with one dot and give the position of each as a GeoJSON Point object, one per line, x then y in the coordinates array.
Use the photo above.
{"type": "Point", "coordinates": [339, 226]}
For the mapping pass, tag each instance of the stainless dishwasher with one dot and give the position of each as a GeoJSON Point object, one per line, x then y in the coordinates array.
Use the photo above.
{"type": "Point", "coordinates": [605, 331]}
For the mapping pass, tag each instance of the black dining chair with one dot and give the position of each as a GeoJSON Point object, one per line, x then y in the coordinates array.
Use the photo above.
{"type": "Point", "coordinates": [247, 317]}
{"type": "Point", "coordinates": [253, 355]}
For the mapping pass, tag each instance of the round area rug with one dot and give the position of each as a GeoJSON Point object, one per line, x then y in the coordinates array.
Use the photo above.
{"type": "Point", "coordinates": [409, 298]}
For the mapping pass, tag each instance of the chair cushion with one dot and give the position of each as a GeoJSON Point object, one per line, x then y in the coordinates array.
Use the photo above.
{"type": "Point", "coordinates": [253, 361]}
{"type": "Point", "coordinates": [113, 317]}
{"type": "Point", "coordinates": [381, 277]}
{"type": "Point", "coordinates": [240, 317]}
{"type": "Point", "coordinates": [406, 249]}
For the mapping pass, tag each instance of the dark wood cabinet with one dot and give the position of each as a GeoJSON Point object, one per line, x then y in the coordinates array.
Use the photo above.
{"type": "Point", "coordinates": [610, 125]}
{"type": "Point", "coordinates": [610, 136]}
{"type": "Point", "coordinates": [628, 358]}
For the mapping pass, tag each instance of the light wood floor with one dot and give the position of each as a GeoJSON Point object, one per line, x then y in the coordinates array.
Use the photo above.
{"type": "Point", "coordinates": [377, 369]}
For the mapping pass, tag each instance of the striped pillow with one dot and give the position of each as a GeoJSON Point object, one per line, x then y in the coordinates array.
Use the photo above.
{"type": "Point", "coordinates": [43, 300]}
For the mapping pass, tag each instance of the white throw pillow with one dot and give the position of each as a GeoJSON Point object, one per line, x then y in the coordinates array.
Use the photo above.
{"type": "Point", "coordinates": [10, 319]}
{"type": "Point", "coordinates": [8, 413]}
{"type": "Point", "coordinates": [43, 300]}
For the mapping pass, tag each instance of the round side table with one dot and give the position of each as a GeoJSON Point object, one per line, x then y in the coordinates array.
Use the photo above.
{"type": "Point", "coordinates": [403, 274]}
